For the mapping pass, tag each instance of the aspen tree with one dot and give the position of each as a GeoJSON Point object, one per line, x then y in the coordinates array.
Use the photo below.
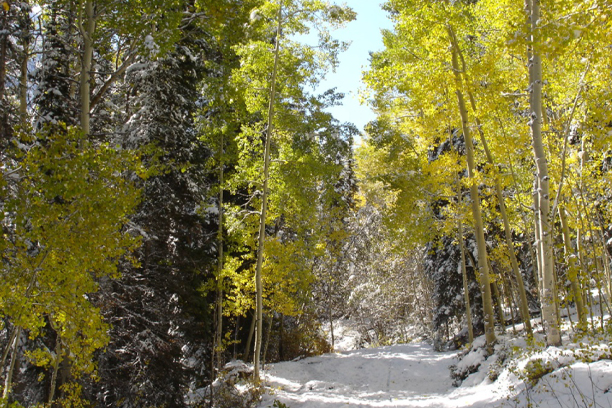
{"type": "Point", "coordinates": [483, 266]}
{"type": "Point", "coordinates": [87, 26]}
{"type": "Point", "coordinates": [542, 193]}
{"type": "Point", "coordinates": [264, 200]}
{"type": "Point", "coordinates": [523, 305]}
{"type": "Point", "coordinates": [466, 293]}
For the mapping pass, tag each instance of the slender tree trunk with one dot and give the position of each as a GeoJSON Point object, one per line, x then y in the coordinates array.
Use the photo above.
{"type": "Point", "coordinates": [26, 24]}
{"type": "Point", "coordinates": [281, 336]}
{"type": "Point", "coordinates": [331, 324]}
{"type": "Point", "coordinates": [87, 32]}
{"type": "Point", "coordinates": [572, 271]}
{"type": "Point", "coordinates": [537, 237]}
{"type": "Point", "coordinates": [219, 329]}
{"type": "Point", "coordinates": [23, 85]}
{"type": "Point", "coordinates": [475, 204]}
{"type": "Point", "coordinates": [268, 335]}
{"type": "Point", "coordinates": [56, 364]}
{"type": "Point", "coordinates": [466, 290]}
{"type": "Point", "coordinates": [8, 381]}
{"type": "Point", "coordinates": [264, 203]}
{"type": "Point", "coordinates": [510, 299]}
{"type": "Point", "coordinates": [605, 258]}
{"type": "Point", "coordinates": [524, 306]}
{"type": "Point", "coordinates": [7, 348]}
{"type": "Point", "coordinates": [247, 349]}
{"type": "Point", "coordinates": [549, 313]}
{"type": "Point", "coordinates": [499, 303]}
{"type": "Point", "coordinates": [4, 116]}
{"type": "Point", "coordinates": [588, 299]}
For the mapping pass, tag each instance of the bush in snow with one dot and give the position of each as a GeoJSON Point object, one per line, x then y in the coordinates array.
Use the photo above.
{"type": "Point", "coordinates": [233, 388]}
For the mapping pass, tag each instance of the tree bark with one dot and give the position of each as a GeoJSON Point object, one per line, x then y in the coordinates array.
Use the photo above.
{"type": "Point", "coordinates": [268, 335]}
{"type": "Point", "coordinates": [572, 271]}
{"type": "Point", "coordinates": [4, 116]}
{"type": "Point", "coordinates": [23, 85]}
{"type": "Point", "coordinates": [524, 305]}
{"type": "Point", "coordinates": [247, 349]}
{"type": "Point", "coordinates": [499, 304]}
{"type": "Point", "coordinates": [56, 364]}
{"type": "Point", "coordinates": [475, 204]}
{"type": "Point", "coordinates": [549, 313]}
{"type": "Point", "coordinates": [219, 329]}
{"type": "Point", "coordinates": [466, 291]}
{"type": "Point", "coordinates": [331, 324]}
{"type": "Point", "coordinates": [87, 32]}
{"type": "Point", "coordinates": [8, 382]}
{"type": "Point", "coordinates": [264, 204]}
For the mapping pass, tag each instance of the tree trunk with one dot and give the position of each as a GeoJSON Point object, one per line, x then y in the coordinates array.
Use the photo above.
{"type": "Point", "coordinates": [7, 348]}
{"type": "Point", "coordinates": [475, 204]}
{"type": "Point", "coordinates": [87, 32]}
{"type": "Point", "coordinates": [264, 204]}
{"type": "Point", "coordinates": [466, 290]}
{"type": "Point", "coordinates": [268, 335]}
{"type": "Point", "coordinates": [219, 313]}
{"type": "Point", "coordinates": [8, 381]}
{"type": "Point", "coordinates": [524, 306]}
{"type": "Point", "coordinates": [537, 239]}
{"type": "Point", "coordinates": [4, 117]}
{"type": "Point", "coordinates": [23, 85]}
{"type": "Point", "coordinates": [331, 326]}
{"type": "Point", "coordinates": [510, 297]}
{"type": "Point", "coordinates": [549, 313]}
{"type": "Point", "coordinates": [572, 271]}
{"type": "Point", "coordinates": [56, 364]}
{"type": "Point", "coordinates": [247, 349]}
{"type": "Point", "coordinates": [499, 305]}
{"type": "Point", "coordinates": [23, 77]}
{"type": "Point", "coordinates": [281, 336]}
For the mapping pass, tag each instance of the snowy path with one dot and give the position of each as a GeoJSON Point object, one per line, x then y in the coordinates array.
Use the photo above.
{"type": "Point", "coordinates": [410, 375]}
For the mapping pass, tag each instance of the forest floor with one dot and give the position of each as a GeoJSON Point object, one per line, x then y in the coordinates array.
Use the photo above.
{"type": "Point", "coordinates": [414, 375]}
{"type": "Point", "coordinates": [407, 375]}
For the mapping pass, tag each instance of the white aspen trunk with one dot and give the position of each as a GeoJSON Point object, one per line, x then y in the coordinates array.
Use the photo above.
{"type": "Point", "coordinates": [549, 312]}
{"type": "Point", "coordinates": [264, 205]}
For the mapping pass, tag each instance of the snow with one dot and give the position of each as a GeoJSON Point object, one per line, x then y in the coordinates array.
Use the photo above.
{"type": "Point", "coordinates": [408, 375]}
{"type": "Point", "coordinates": [414, 375]}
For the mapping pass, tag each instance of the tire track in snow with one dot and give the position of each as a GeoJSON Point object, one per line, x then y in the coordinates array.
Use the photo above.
{"type": "Point", "coordinates": [410, 375]}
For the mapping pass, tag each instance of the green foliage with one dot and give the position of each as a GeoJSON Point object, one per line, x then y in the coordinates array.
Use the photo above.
{"type": "Point", "coordinates": [417, 117]}
{"type": "Point", "coordinates": [278, 404]}
{"type": "Point", "coordinates": [65, 230]}
{"type": "Point", "coordinates": [536, 369]}
{"type": "Point", "coordinates": [309, 152]}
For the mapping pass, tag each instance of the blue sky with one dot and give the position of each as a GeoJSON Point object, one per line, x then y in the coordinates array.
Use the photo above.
{"type": "Point", "coordinates": [365, 35]}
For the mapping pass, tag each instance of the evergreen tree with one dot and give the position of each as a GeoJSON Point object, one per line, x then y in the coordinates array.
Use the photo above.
{"type": "Point", "coordinates": [157, 315]}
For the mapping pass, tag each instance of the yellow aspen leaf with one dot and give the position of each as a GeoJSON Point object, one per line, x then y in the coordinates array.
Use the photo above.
{"type": "Point", "coordinates": [5, 6]}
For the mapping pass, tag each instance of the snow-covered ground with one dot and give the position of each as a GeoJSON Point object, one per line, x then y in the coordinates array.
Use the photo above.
{"type": "Point", "coordinates": [414, 375]}
{"type": "Point", "coordinates": [410, 375]}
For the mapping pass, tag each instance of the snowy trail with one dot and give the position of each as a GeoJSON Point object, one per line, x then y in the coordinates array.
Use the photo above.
{"type": "Point", "coordinates": [410, 375]}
